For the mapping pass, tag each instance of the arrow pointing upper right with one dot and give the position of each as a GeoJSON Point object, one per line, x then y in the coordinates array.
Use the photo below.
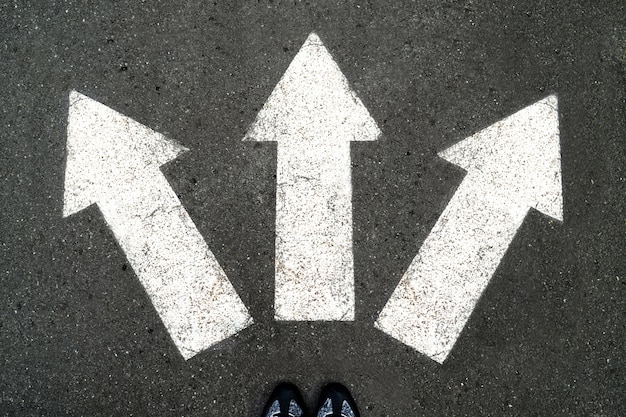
{"type": "Point", "coordinates": [513, 165]}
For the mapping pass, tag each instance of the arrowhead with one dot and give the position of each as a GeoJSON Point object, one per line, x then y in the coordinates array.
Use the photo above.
{"type": "Point", "coordinates": [106, 149]}
{"type": "Point", "coordinates": [519, 154]}
{"type": "Point", "coordinates": [313, 102]}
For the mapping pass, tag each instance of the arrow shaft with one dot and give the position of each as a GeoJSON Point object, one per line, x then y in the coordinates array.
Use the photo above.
{"type": "Point", "coordinates": [184, 281]}
{"type": "Point", "coordinates": [441, 287]}
{"type": "Point", "coordinates": [314, 258]}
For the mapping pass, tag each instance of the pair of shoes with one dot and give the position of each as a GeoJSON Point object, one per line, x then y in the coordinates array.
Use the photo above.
{"type": "Point", "coordinates": [335, 401]}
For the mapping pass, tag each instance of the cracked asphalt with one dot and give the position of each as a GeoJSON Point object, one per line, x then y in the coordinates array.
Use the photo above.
{"type": "Point", "coordinates": [78, 334]}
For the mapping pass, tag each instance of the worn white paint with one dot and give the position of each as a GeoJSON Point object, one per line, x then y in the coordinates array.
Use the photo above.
{"type": "Point", "coordinates": [313, 115]}
{"type": "Point", "coordinates": [511, 166]}
{"type": "Point", "coordinates": [114, 161]}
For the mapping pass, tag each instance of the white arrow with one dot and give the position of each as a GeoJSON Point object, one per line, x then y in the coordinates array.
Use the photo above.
{"type": "Point", "coordinates": [511, 166]}
{"type": "Point", "coordinates": [313, 115]}
{"type": "Point", "coordinates": [114, 161]}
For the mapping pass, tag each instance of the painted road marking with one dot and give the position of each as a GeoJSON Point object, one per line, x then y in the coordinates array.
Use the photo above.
{"type": "Point", "coordinates": [114, 161]}
{"type": "Point", "coordinates": [511, 166]}
{"type": "Point", "coordinates": [313, 115]}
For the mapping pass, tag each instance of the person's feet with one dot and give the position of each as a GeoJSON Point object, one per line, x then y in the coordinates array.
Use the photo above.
{"type": "Point", "coordinates": [285, 401]}
{"type": "Point", "coordinates": [336, 401]}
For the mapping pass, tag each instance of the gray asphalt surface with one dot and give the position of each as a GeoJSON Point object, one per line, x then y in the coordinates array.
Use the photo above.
{"type": "Point", "coordinates": [78, 334]}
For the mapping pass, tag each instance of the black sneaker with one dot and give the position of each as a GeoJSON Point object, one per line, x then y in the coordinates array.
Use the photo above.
{"type": "Point", "coordinates": [285, 401]}
{"type": "Point", "coordinates": [336, 401]}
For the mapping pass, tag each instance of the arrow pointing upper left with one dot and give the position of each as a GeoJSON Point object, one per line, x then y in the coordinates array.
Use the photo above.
{"type": "Point", "coordinates": [114, 161]}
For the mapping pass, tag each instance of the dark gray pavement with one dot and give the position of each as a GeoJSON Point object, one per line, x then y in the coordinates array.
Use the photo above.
{"type": "Point", "coordinates": [78, 334]}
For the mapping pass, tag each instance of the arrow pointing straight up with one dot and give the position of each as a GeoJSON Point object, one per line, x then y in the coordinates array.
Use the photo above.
{"type": "Point", "coordinates": [313, 115]}
{"type": "Point", "coordinates": [115, 162]}
{"type": "Point", "coordinates": [511, 166]}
